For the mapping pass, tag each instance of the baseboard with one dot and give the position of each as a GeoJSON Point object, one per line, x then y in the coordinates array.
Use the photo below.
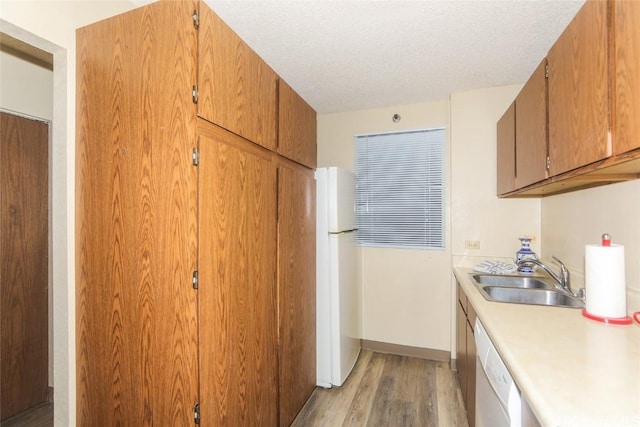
{"type": "Point", "coordinates": [50, 394]}
{"type": "Point", "coordinates": [406, 350]}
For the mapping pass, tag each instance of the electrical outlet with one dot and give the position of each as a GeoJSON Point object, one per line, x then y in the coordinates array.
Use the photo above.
{"type": "Point", "coordinates": [472, 244]}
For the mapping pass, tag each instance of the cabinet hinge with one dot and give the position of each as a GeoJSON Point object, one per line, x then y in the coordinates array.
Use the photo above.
{"type": "Point", "coordinates": [194, 94]}
{"type": "Point", "coordinates": [195, 157]}
{"type": "Point", "coordinates": [194, 280]}
{"type": "Point", "coordinates": [546, 71]}
{"type": "Point", "coordinates": [196, 413]}
{"type": "Point", "coordinates": [548, 162]}
{"type": "Point", "coordinates": [196, 19]}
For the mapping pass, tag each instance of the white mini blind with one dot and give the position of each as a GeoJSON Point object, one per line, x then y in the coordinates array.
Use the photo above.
{"type": "Point", "coordinates": [400, 189]}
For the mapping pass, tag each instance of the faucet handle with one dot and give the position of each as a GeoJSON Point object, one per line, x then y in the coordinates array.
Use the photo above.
{"type": "Point", "coordinates": [564, 273]}
{"type": "Point", "coordinates": [563, 268]}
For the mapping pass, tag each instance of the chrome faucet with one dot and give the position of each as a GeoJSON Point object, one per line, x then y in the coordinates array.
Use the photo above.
{"type": "Point", "coordinates": [562, 277]}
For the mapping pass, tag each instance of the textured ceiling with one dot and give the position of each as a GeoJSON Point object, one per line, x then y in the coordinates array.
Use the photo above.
{"type": "Point", "coordinates": [359, 54]}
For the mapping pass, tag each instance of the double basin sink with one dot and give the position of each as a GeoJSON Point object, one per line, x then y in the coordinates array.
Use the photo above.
{"type": "Point", "coordinates": [523, 290]}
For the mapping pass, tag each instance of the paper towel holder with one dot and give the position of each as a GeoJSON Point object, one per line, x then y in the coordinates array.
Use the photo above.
{"type": "Point", "coordinates": [604, 249]}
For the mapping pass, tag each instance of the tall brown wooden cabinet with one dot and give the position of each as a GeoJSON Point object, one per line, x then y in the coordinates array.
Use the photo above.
{"type": "Point", "coordinates": [296, 287]}
{"type": "Point", "coordinates": [195, 233]}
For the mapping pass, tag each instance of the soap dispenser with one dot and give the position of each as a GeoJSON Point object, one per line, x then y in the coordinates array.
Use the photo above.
{"type": "Point", "coordinates": [525, 253]}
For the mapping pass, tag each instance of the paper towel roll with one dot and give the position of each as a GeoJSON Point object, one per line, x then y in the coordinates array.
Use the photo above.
{"type": "Point", "coordinates": [605, 281]}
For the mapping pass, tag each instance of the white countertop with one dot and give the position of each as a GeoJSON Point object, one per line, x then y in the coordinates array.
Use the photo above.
{"type": "Point", "coordinates": [573, 371]}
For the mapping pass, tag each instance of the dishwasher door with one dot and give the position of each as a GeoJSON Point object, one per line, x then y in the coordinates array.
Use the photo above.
{"type": "Point", "coordinates": [498, 401]}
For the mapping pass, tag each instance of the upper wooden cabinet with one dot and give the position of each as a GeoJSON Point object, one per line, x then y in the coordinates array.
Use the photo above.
{"type": "Point", "coordinates": [522, 136]}
{"type": "Point", "coordinates": [237, 90]}
{"type": "Point", "coordinates": [506, 155]}
{"type": "Point", "coordinates": [578, 91]}
{"type": "Point", "coordinates": [626, 89]}
{"type": "Point", "coordinates": [297, 127]}
{"type": "Point", "coordinates": [593, 85]}
{"type": "Point", "coordinates": [531, 129]}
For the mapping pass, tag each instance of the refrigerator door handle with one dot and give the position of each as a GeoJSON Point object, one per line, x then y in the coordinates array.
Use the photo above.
{"type": "Point", "coordinates": [343, 232]}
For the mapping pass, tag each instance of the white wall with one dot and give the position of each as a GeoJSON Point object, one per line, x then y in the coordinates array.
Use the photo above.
{"type": "Point", "coordinates": [403, 289]}
{"type": "Point", "coordinates": [25, 87]}
{"type": "Point", "coordinates": [572, 220]}
{"type": "Point", "coordinates": [408, 297]}
{"type": "Point", "coordinates": [50, 26]}
{"type": "Point", "coordinates": [476, 212]}
{"type": "Point", "coordinates": [563, 224]}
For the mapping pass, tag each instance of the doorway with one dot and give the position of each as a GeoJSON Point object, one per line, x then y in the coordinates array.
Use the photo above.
{"type": "Point", "coordinates": [26, 105]}
{"type": "Point", "coordinates": [61, 252]}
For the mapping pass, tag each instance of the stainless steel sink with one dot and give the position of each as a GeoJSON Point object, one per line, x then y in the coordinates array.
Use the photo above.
{"type": "Point", "coordinates": [531, 296]}
{"type": "Point", "coordinates": [523, 290]}
{"type": "Point", "coordinates": [512, 281]}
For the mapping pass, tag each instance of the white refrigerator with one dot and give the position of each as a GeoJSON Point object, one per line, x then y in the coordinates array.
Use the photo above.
{"type": "Point", "coordinates": [338, 295]}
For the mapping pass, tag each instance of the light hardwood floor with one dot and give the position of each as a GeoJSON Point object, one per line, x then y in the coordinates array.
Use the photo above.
{"type": "Point", "coordinates": [383, 390]}
{"type": "Point", "coordinates": [391, 391]}
{"type": "Point", "coordinates": [38, 416]}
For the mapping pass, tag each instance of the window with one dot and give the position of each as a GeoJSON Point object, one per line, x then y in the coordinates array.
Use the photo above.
{"type": "Point", "coordinates": [400, 189]}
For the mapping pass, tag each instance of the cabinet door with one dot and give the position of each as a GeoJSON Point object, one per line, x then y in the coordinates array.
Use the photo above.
{"type": "Point", "coordinates": [627, 76]}
{"type": "Point", "coordinates": [237, 289]}
{"type": "Point", "coordinates": [297, 127]}
{"type": "Point", "coordinates": [578, 91]}
{"type": "Point", "coordinates": [136, 219]}
{"type": "Point", "coordinates": [296, 288]}
{"type": "Point", "coordinates": [237, 89]}
{"type": "Point", "coordinates": [531, 129]}
{"type": "Point", "coordinates": [461, 349]}
{"type": "Point", "coordinates": [471, 373]}
{"type": "Point", "coordinates": [506, 155]}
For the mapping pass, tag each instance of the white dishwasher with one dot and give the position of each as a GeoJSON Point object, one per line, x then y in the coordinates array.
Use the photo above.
{"type": "Point", "coordinates": [498, 400]}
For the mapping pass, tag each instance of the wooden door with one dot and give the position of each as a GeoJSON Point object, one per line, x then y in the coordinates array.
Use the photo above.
{"type": "Point", "coordinates": [532, 129]}
{"type": "Point", "coordinates": [237, 282]}
{"type": "Point", "coordinates": [136, 309]}
{"type": "Point", "coordinates": [626, 88]}
{"type": "Point", "coordinates": [296, 288]}
{"type": "Point", "coordinates": [237, 89]}
{"type": "Point", "coordinates": [579, 91]}
{"type": "Point", "coordinates": [24, 157]}
{"type": "Point", "coordinates": [297, 127]}
{"type": "Point", "coordinates": [506, 151]}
